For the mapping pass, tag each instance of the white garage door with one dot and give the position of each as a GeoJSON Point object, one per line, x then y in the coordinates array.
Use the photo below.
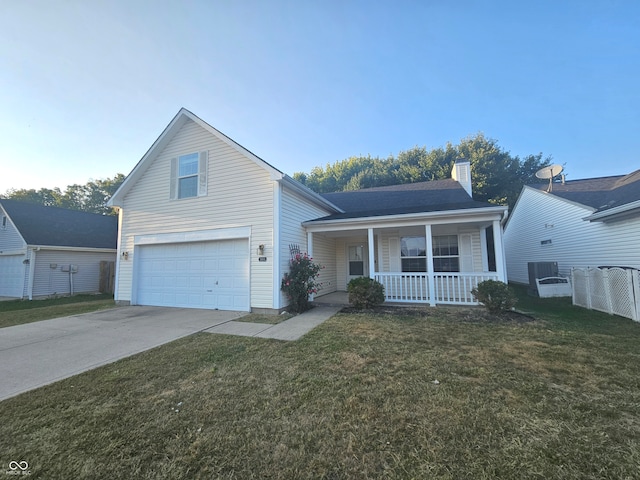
{"type": "Point", "coordinates": [195, 275]}
{"type": "Point", "coordinates": [12, 272]}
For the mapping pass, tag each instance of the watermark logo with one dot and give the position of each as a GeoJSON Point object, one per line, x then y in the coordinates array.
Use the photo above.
{"type": "Point", "coordinates": [18, 468]}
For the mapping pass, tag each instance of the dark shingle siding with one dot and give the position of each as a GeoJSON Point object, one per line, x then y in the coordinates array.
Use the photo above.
{"type": "Point", "coordinates": [52, 226]}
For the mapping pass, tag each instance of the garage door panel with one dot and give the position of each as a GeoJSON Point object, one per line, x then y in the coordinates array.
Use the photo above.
{"type": "Point", "coordinates": [198, 275]}
{"type": "Point", "coordinates": [12, 276]}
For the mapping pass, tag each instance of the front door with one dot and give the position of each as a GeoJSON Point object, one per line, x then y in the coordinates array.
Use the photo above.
{"type": "Point", "coordinates": [357, 264]}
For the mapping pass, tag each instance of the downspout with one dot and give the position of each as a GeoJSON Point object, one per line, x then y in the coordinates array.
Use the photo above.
{"type": "Point", "coordinates": [118, 255]}
{"type": "Point", "coordinates": [371, 253]}
{"type": "Point", "coordinates": [498, 246]}
{"type": "Point", "coordinates": [310, 253]}
{"type": "Point", "coordinates": [32, 271]}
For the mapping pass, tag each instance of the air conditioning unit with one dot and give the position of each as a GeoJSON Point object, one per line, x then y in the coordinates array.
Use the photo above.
{"type": "Point", "coordinates": [540, 270]}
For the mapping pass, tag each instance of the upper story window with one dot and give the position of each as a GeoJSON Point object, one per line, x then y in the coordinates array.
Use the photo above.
{"type": "Point", "coordinates": [446, 255]}
{"type": "Point", "coordinates": [4, 222]}
{"type": "Point", "coordinates": [189, 175]}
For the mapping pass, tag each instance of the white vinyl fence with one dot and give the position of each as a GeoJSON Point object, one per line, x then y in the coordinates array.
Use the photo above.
{"type": "Point", "coordinates": [611, 290]}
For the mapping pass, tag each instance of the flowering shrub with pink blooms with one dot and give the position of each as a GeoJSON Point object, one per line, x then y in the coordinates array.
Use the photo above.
{"type": "Point", "coordinates": [300, 282]}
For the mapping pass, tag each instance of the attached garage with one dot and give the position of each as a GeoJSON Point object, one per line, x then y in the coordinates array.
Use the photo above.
{"type": "Point", "coordinates": [207, 274]}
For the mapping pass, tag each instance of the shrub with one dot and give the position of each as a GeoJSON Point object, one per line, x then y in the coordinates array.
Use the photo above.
{"type": "Point", "coordinates": [300, 282]}
{"type": "Point", "coordinates": [495, 296]}
{"type": "Point", "coordinates": [365, 292]}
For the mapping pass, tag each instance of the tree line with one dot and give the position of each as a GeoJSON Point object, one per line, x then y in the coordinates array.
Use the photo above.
{"type": "Point", "coordinates": [497, 176]}
{"type": "Point", "coordinates": [90, 197]}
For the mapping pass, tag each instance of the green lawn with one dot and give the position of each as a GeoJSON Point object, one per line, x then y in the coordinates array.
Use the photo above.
{"type": "Point", "coordinates": [394, 396]}
{"type": "Point", "coordinates": [16, 312]}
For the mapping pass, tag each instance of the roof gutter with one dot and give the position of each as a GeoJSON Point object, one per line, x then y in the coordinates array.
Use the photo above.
{"type": "Point", "coordinates": [75, 249]}
{"type": "Point", "coordinates": [409, 216]}
{"type": "Point", "coordinates": [611, 212]}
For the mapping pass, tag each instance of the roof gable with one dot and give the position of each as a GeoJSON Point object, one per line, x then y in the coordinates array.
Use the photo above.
{"type": "Point", "coordinates": [163, 140]}
{"type": "Point", "coordinates": [52, 226]}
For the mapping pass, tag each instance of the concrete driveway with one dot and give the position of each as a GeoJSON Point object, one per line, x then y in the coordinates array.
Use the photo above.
{"type": "Point", "coordinates": [39, 353]}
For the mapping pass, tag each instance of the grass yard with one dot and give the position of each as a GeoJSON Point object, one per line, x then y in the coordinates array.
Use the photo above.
{"type": "Point", "coordinates": [434, 395]}
{"type": "Point", "coordinates": [16, 312]}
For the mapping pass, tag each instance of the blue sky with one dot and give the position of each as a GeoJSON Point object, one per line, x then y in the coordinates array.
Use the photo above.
{"type": "Point", "coordinates": [87, 86]}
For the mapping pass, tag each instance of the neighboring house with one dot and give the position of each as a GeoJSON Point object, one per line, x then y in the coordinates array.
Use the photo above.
{"type": "Point", "coordinates": [205, 223]}
{"type": "Point", "coordinates": [580, 223]}
{"type": "Point", "coordinates": [48, 251]}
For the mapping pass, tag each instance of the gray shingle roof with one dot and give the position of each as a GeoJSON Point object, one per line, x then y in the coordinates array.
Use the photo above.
{"type": "Point", "coordinates": [433, 196]}
{"type": "Point", "coordinates": [600, 193]}
{"type": "Point", "coordinates": [52, 226]}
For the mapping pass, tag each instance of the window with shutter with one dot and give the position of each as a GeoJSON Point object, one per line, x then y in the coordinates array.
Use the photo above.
{"type": "Point", "coordinates": [189, 175]}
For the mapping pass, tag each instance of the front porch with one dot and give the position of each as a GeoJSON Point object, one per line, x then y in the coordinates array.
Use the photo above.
{"type": "Point", "coordinates": [403, 288]}
{"type": "Point", "coordinates": [432, 288]}
{"type": "Point", "coordinates": [439, 262]}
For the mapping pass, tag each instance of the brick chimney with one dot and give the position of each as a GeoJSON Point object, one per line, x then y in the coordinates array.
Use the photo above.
{"type": "Point", "coordinates": [461, 172]}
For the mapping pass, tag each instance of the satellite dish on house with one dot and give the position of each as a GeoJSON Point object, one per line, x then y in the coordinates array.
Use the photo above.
{"type": "Point", "coordinates": [549, 172]}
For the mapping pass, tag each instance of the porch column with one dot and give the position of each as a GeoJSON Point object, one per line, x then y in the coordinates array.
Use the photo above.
{"type": "Point", "coordinates": [499, 251]}
{"type": "Point", "coordinates": [484, 249]}
{"type": "Point", "coordinates": [32, 271]}
{"type": "Point", "coordinates": [370, 244]}
{"type": "Point", "coordinates": [430, 278]}
{"type": "Point", "coordinates": [310, 253]}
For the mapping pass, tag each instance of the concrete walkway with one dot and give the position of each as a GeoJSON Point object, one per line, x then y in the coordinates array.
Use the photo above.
{"type": "Point", "coordinates": [291, 329]}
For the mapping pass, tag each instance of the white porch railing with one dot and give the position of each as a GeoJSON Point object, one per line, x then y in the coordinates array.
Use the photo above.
{"type": "Point", "coordinates": [448, 288]}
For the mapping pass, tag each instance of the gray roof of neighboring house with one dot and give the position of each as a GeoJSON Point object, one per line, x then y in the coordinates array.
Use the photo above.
{"type": "Point", "coordinates": [601, 193]}
{"type": "Point", "coordinates": [52, 226]}
{"type": "Point", "coordinates": [433, 196]}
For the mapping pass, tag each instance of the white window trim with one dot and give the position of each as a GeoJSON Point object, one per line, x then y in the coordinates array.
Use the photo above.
{"type": "Point", "coordinates": [448, 256]}
{"type": "Point", "coordinates": [202, 174]}
{"type": "Point", "coordinates": [413, 257]}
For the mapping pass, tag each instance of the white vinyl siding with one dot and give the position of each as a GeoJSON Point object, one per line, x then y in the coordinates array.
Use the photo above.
{"type": "Point", "coordinates": [13, 251]}
{"type": "Point", "coordinates": [293, 211]}
{"type": "Point", "coordinates": [324, 253]}
{"type": "Point", "coordinates": [10, 239]}
{"type": "Point", "coordinates": [50, 279]}
{"type": "Point", "coordinates": [240, 194]}
{"type": "Point", "coordinates": [539, 217]}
